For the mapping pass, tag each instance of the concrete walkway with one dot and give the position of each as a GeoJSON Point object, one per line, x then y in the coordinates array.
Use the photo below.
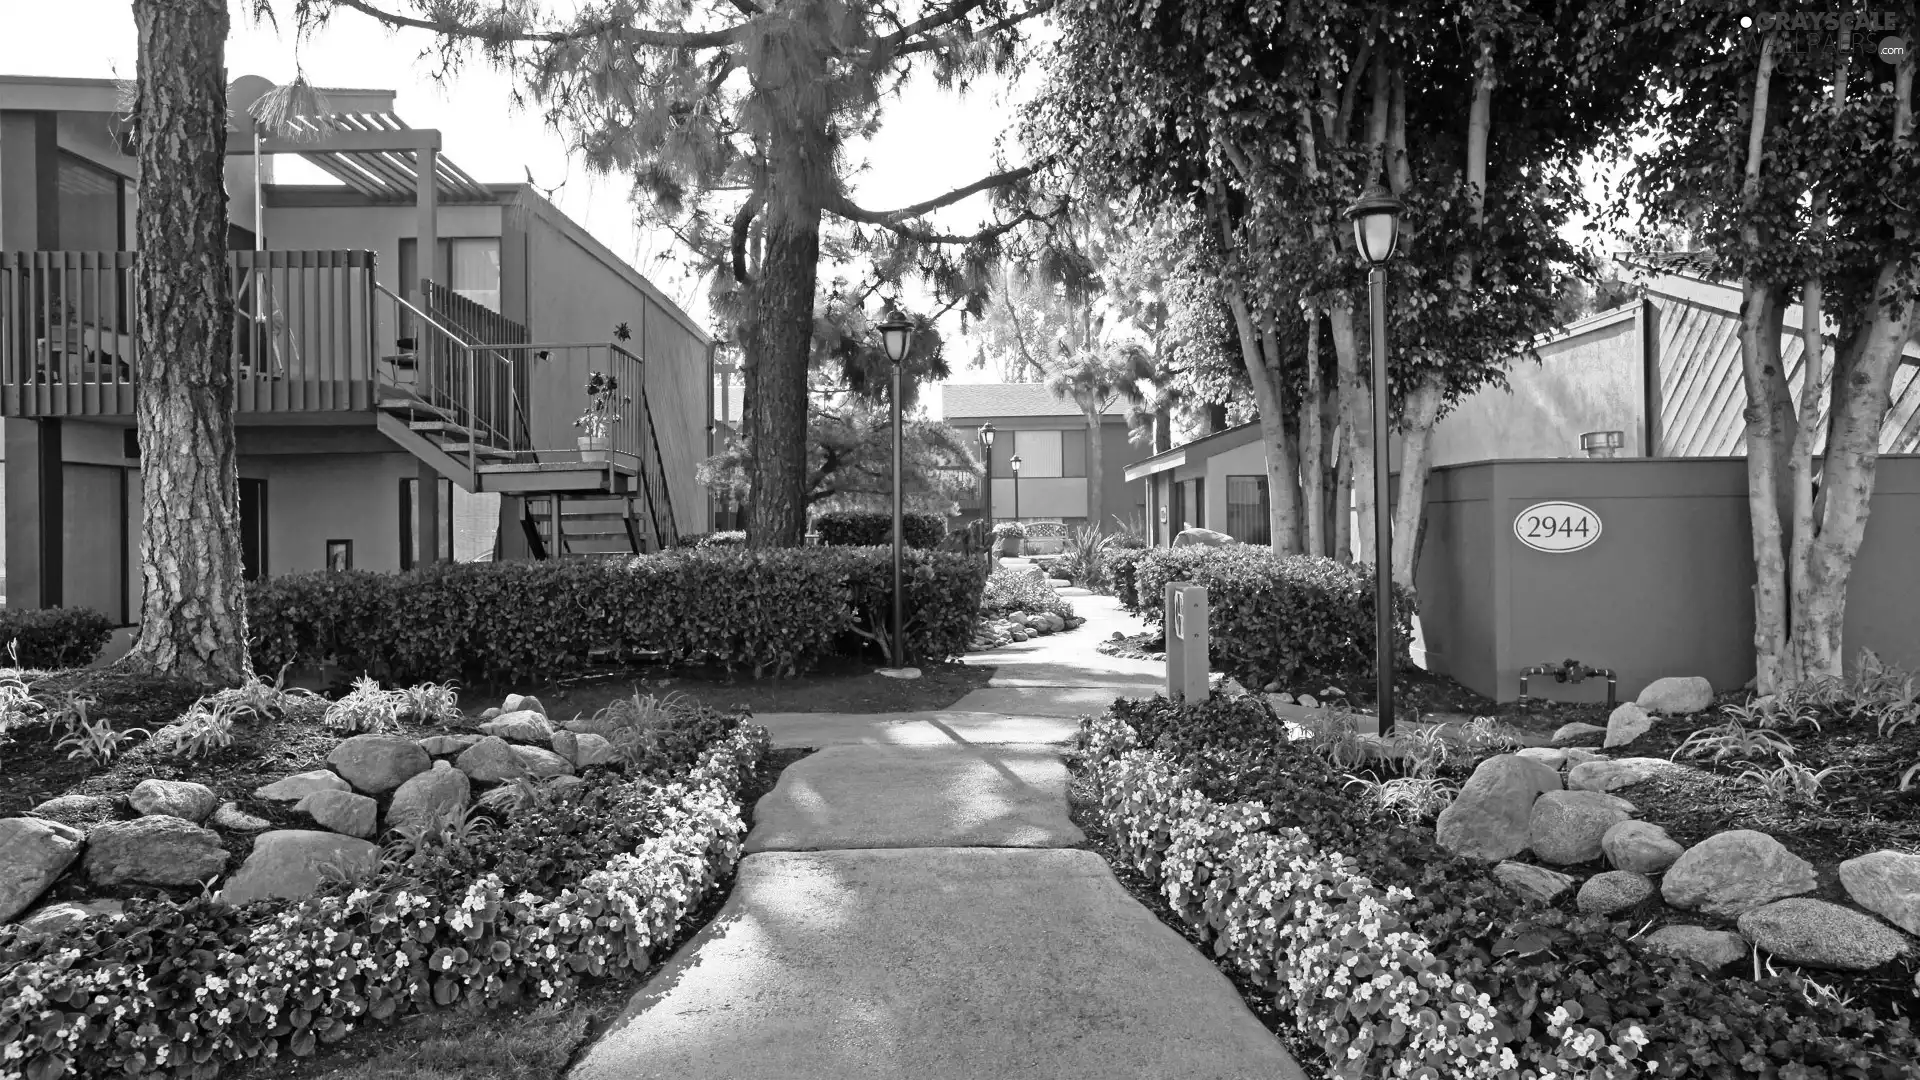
{"type": "Point", "coordinates": [912, 906]}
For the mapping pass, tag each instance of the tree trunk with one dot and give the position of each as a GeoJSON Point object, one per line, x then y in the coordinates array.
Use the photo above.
{"type": "Point", "coordinates": [1163, 429]}
{"type": "Point", "coordinates": [1341, 505]}
{"type": "Point", "coordinates": [1356, 415]}
{"type": "Point", "coordinates": [1416, 461]}
{"type": "Point", "coordinates": [1331, 438]}
{"type": "Point", "coordinates": [193, 612]}
{"type": "Point", "coordinates": [1096, 492]}
{"type": "Point", "coordinates": [1283, 448]}
{"type": "Point", "coordinates": [1313, 476]}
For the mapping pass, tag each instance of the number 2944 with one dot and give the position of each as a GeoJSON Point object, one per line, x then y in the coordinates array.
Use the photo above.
{"type": "Point", "coordinates": [1557, 527]}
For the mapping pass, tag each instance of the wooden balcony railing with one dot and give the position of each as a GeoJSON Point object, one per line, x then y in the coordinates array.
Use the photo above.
{"type": "Point", "coordinates": [302, 332]}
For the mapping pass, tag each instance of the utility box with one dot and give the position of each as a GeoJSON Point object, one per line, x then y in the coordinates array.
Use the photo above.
{"type": "Point", "coordinates": [1186, 627]}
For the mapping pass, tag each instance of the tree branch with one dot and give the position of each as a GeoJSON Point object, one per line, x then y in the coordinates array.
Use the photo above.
{"type": "Point", "coordinates": [1008, 23]}
{"type": "Point", "coordinates": [845, 208]}
{"type": "Point", "coordinates": [741, 221]}
{"type": "Point", "coordinates": [502, 32]}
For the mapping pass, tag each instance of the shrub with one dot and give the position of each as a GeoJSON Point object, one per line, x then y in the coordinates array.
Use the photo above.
{"type": "Point", "coordinates": [1005, 529]}
{"type": "Point", "coordinates": [49, 638]}
{"type": "Point", "coordinates": [1019, 590]}
{"type": "Point", "coordinates": [1294, 618]}
{"type": "Point", "coordinates": [729, 538]}
{"type": "Point", "coordinates": [1122, 565]}
{"type": "Point", "coordinates": [866, 528]}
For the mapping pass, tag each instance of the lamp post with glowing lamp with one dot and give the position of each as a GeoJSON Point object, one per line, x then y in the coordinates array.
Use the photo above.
{"type": "Point", "coordinates": [986, 483]}
{"type": "Point", "coordinates": [1376, 232]}
{"type": "Point", "coordinates": [896, 334]}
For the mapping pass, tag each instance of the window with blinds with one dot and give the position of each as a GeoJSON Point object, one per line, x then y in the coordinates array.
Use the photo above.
{"type": "Point", "coordinates": [1248, 514]}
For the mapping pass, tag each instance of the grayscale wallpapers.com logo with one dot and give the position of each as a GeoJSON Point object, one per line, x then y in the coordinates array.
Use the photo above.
{"type": "Point", "coordinates": [1822, 32]}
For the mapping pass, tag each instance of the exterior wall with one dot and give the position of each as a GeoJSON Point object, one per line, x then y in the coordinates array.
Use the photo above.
{"type": "Point", "coordinates": [313, 498]}
{"type": "Point", "coordinates": [1249, 459]}
{"type": "Point", "coordinates": [1049, 498]}
{"type": "Point", "coordinates": [378, 228]}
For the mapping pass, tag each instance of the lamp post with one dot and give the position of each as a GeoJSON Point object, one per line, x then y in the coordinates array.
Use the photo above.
{"type": "Point", "coordinates": [986, 484]}
{"type": "Point", "coordinates": [1016, 487]}
{"type": "Point", "coordinates": [1376, 232]}
{"type": "Point", "coordinates": [896, 333]}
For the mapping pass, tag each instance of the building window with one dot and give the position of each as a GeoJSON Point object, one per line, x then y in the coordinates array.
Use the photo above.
{"type": "Point", "coordinates": [91, 205]}
{"type": "Point", "coordinates": [339, 555]}
{"type": "Point", "coordinates": [253, 528]}
{"type": "Point", "coordinates": [1073, 453]}
{"type": "Point", "coordinates": [1040, 454]}
{"type": "Point", "coordinates": [1248, 516]}
{"type": "Point", "coordinates": [473, 268]}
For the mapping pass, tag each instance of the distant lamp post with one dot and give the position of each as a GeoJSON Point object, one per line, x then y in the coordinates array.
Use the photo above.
{"type": "Point", "coordinates": [896, 334]}
{"type": "Point", "coordinates": [1016, 486]}
{"type": "Point", "coordinates": [986, 482]}
{"type": "Point", "coordinates": [1376, 232]}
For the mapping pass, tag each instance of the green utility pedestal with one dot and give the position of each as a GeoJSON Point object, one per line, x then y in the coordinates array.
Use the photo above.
{"type": "Point", "coordinates": [1186, 623]}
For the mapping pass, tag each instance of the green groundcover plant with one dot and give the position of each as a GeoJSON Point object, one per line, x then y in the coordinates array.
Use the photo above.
{"type": "Point", "coordinates": [52, 637]}
{"type": "Point", "coordinates": [1399, 960]}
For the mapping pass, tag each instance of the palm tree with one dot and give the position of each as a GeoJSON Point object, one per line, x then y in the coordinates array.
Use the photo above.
{"type": "Point", "coordinates": [1094, 377]}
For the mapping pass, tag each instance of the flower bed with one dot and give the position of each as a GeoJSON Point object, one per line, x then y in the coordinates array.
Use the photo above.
{"type": "Point", "coordinates": [179, 990]}
{"type": "Point", "coordinates": [1399, 960]}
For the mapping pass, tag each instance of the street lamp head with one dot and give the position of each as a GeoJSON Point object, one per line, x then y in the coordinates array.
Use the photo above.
{"type": "Point", "coordinates": [1015, 463]}
{"type": "Point", "coordinates": [896, 333]}
{"type": "Point", "coordinates": [1376, 224]}
{"type": "Point", "coordinates": [986, 434]}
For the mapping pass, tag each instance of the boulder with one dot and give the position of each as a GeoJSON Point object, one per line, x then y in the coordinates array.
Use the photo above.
{"type": "Point", "coordinates": [300, 785]}
{"type": "Point", "coordinates": [1711, 949]}
{"type": "Point", "coordinates": [230, 816]}
{"type": "Point", "coordinates": [541, 763]}
{"type": "Point", "coordinates": [1551, 757]}
{"type": "Point", "coordinates": [181, 798]}
{"type": "Point", "coordinates": [1536, 882]}
{"type": "Point", "coordinates": [1816, 933]}
{"type": "Point", "coordinates": [1273, 687]}
{"type": "Point", "coordinates": [1565, 827]}
{"type": "Point", "coordinates": [1733, 872]}
{"type": "Point", "coordinates": [1627, 723]}
{"type": "Point", "coordinates": [1886, 883]}
{"type": "Point", "coordinates": [521, 703]}
{"type": "Point", "coordinates": [583, 750]}
{"type": "Point", "coordinates": [490, 761]}
{"type": "Point", "coordinates": [1203, 538]}
{"type": "Point", "coordinates": [439, 745]}
{"type": "Point", "coordinates": [1676, 695]}
{"type": "Point", "coordinates": [54, 918]}
{"type": "Point", "coordinates": [525, 726]}
{"type": "Point", "coordinates": [157, 850]}
{"type": "Point", "coordinates": [603, 726]}
{"type": "Point", "coordinates": [1281, 698]}
{"type": "Point", "coordinates": [1307, 701]}
{"type": "Point", "coordinates": [1606, 774]}
{"type": "Point", "coordinates": [1640, 847]}
{"type": "Point", "coordinates": [428, 796]}
{"type": "Point", "coordinates": [33, 853]}
{"type": "Point", "coordinates": [1579, 756]}
{"type": "Point", "coordinates": [376, 764]}
{"type": "Point", "coordinates": [1613, 890]}
{"type": "Point", "coordinates": [291, 863]}
{"type": "Point", "coordinates": [342, 812]}
{"type": "Point", "coordinates": [1576, 731]}
{"type": "Point", "coordinates": [77, 810]}
{"type": "Point", "coordinates": [1489, 818]}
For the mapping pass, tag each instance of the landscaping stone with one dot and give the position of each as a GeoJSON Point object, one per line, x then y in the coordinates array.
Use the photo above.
{"type": "Point", "coordinates": [1576, 731]}
{"type": "Point", "coordinates": [1537, 882]}
{"type": "Point", "coordinates": [1613, 890]}
{"type": "Point", "coordinates": [428, 796]}
{"type": "Point", "coordinates": [342, 812]}
{"type": "Point", "coordinates": [563, 784]}
{"type": "Point", "coordinates": [605, 726]}
{"type": "Point", "coordinates": [1306, 701]}
{"type": "Point", "coordinates": [34, 852]}
{"type": "Point", "coordinates": [540, 762]}
{"type": "Point", "coordinates": [1606, 774]}
{"type": "Point", "coordinates": [1627, 723]}
{"type": "Point", "coordinates": [1565, 827]}
{"type": "Point", "coordinates": [1281, 698]}
{"type": "Point", "coordinates": [1273, 687]}
{"type": "Point", "coordinates": [229, 816]}
{"type": "Point", "coordinates": [1816, 933]}
{"type": "Point", "coordinates": [439, 745]}
{"type": "Point", "coordinates": [180, 798]}
{"type": "Point", "coordinates": [1676, 695]}
{"type": "Point", "coordinates": [1552, 758]}
{"type": "Point", "coordinates": [54, 918]}
{"type": "Point", "coordinates": [490, 761]}
{"type": "Point", "coordinates": [583, 749]}
{"type": "Point", "coordinates": [525, 726]}
{"type": "Point", "coordinates": [1203, 538]}
{"type": "Point", "coordinates": [157, 850]}
{"type": "Point", "coordinates": [300, 785]}
{"type": "Point", "coordinates": [291, 863]}
{"type": "Point", "coordinates": [521, 702]}
{"type": "Point", "coordinates": [1579, 755]}
{"type": "Point", "coordinates": [80, 811]}
{"type": "Point", "coordinates": [1886, 883]}
{"type": "Point", "coordinates": [1733, 872]}
{"type": "Point", "coordinates": [488, 714]}
{"type": "Point", "coordinates": [376, 764]}
{"type": "Point", "coordinates": [1640, 847]}
{"type": "Point", "coordinates": [1712, 949]}
{"type": "Point", "coordinates": [1489, 818]}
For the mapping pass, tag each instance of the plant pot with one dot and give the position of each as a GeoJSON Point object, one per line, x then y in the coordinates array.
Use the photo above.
{"type": "Point", "coordinates": [593, 449]}
{"type": "Point", "coordinates": [1010, 545]}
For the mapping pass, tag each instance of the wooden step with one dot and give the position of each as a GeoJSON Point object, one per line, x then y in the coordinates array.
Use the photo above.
{"type": "Point", "coordinates": [441, 427]}
{"type": "Point", "coordinates": [482, 449]}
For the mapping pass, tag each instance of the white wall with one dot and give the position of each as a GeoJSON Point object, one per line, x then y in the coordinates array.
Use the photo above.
{"type": "Point", "coordinates": [378, 229]}
{"type": "Point", "coordinates": [315, 498]}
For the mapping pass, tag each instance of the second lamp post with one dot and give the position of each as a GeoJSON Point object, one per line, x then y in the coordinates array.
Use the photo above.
{"type": "Point", "coordinates": [897, 335]}
{"type": "Point", "coordinates": [1376, 231]}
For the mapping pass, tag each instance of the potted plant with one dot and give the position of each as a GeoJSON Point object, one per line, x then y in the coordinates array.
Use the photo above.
{"type": "Point", "coordinates": [599, 416]}
{"type": "Point", "coordinates": [1009, 535]}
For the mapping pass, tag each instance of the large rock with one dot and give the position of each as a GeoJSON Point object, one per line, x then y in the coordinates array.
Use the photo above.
{"type": "Point", "coordinates": [157, 850]}
{"type": "Point", "coordinates": [1552, 757]}
{"type": "Point", "coordinates": [583, 750]}
{"type": "Point", "coordinates": [1579, 755]}
{"type": "Point", "coordinates": [1816, 933]}
{"type": "Point", "coordinates": [1713, 949]}
{"type": "Point", "coordinates": [1640, 847]}
{"type": "Point", "coordinates": [1614, 890]}
{"type": "Point", "coordinates": [300, 785]}
{"type": "Point", "coordinates": [429, 796]}
{"type": "Point", "coordinates": [1489, 818]}
{"type": "Point", "coordinates": [53, 918]}
{"type": "Point", "coordinates": [181, 798]}
{"type": "Point", "coordinates": [524, 726]}
{"type": "Point", "coordinates": [519, 702]}
{"type": "Point", "coordinates": [376, 764]}
{"type": "Point", "coordinates": [1565, 827]}
{"type": "Point", "coordinates": [230, 816]}
{"type": "Point", "coordinates": [1731, 873]}
{"type": "Point", "coordinates": [541, 763]}
{"type": "Point", "coordinates": [1886, 883]}
{"type": "Point", "coordinates": [1676, 695]}
{"type": "Point", "coordinates": [291, 863]}
{"type": "Point", "coordinates": [1576, 731]}
{"type": "Point", "coordinates": [81, 811]}
{"type": "Point", "coordinates": [342, 812]}
{"type": "Point", "coordinates": [33, 853]}
{"type": "Point", "coordinates": [1537, 882]}
{"type": "Point", "coordinates": [438, 745]}
{"type": "Point", "coordinates": [1202, 538]}
{"type": "Point", "coordinates": [1606, 774]}
{"type": "Point", "coordinates": [1627, 723]}
{"type": "Point", "coordinates": [490, 761]}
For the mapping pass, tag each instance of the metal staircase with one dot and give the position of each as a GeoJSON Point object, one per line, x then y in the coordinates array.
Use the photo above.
{"type": "Point", "coordinates": [587, 526]}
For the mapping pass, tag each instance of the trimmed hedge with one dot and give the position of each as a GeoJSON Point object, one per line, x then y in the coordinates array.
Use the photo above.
{"type": "Point", "coordinates": [866, 528]}
{"type": "Point", "coordinates": [1293, 618]}
{"type": "Point", "coordinates": [769, 611]}
{"type": "Point", "coordinates": [1398, 959]}
{"type": "Point", "coordinates": [49, 638]}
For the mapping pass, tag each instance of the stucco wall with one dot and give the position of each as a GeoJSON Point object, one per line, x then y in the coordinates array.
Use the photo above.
{"type": "Point", "coordinates": [1249, 459]}
{"type": "Point", "coordinates": [1045, 497]}
{"type": "Point", "coordinates": [319, 497]}
{"type": "Point", "coordinates": [375, 228]}
{"type": "Point", "coordinates": [1593, 381]}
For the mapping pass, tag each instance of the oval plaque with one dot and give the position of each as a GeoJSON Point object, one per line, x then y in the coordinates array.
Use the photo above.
{"type": "Point", "coordinates": [1557, 527]}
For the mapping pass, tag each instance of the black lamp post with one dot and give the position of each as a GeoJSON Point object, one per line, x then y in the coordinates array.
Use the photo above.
{"type": "Point", "coordinates": [896, 333]}
{"type": "Point", "coordinates": [1016, 487]}
{"type": "Point", "coordinates": [986, 484]}
{"type": "Point", "coordinates": [1376, 232]}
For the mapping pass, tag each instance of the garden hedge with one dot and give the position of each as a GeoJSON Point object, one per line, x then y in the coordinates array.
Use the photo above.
{"type": "Point", "coordinates": [1397, 959]}
{"type": "Point", "coordinates": [49, 638]}
{"type": "Point", "coordinates": [1298, 619]}
{"type": "Point", "coordinates": [865, 528]}
{"type": "Point", "coordinates": [767, 611]}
